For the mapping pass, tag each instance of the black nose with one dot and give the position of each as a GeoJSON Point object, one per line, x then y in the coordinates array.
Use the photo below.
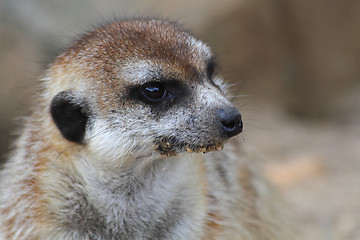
{"type": "Point", "coordinates": [230, 121]}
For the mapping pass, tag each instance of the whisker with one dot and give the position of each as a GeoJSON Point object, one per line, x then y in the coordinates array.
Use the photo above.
{"type": "Point", "coordinates": [242, 96]}
{"type": "Point", "coordinates": [240, 85]}
{"type": "Point", "coordinates": [250, 110]}
{"type": "Point", "coordinates": [248, 102]}
{"type": "Point", "coordinates": [75, 144]}
{"type": "Point", "coordinates": [71, 146]}
{"type": "Point", "coordinates": [191, 169]}
{"type": "Point", "coordinates": [97, 134]}
{"type": "Point", "coordinates": [13, 100]}
{"type": "Point", "coordinates": [258, 127]}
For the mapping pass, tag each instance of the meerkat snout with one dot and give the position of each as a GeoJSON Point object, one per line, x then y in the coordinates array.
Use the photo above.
{"type": "Point", "coordinates": [231, 122]}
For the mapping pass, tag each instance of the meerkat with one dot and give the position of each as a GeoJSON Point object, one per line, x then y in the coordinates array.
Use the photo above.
{"type": "Point", "coordinates": [114, 146]}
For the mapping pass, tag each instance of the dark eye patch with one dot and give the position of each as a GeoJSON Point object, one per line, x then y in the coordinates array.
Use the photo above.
{"type": "Point", "coordinates": [210, 68]}
{"type": "Point", "coordinates": [160, 95]}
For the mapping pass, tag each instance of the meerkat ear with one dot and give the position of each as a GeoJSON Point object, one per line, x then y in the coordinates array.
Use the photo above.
{"type": "Point", "coordinates": [70, 116]}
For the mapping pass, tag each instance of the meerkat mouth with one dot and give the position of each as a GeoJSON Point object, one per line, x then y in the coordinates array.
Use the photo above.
{"type": "Point", "coordinates": [167, 148]}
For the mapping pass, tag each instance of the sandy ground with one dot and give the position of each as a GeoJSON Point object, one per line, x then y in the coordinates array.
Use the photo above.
{"type": "Point", "coordinates": [316, 167]}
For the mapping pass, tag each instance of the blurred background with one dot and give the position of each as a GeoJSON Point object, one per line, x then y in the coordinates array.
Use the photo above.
{"type": "Point", "coordinates": [295, 69]}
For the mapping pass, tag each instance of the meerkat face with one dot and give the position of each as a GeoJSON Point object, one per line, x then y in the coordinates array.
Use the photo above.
{"type": "Point", "coordinates": [138, 87]}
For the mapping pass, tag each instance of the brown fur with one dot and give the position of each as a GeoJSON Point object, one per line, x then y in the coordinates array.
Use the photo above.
{"type": "Point", "coordinates": [128, 175]}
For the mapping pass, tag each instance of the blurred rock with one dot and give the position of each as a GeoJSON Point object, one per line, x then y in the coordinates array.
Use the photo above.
{"type": "Point", "coordinates": [303, 54]}
{"type": "Point", "coordinates": [19, 70]}
{"type": "Point", "coordinates": [293, 171]}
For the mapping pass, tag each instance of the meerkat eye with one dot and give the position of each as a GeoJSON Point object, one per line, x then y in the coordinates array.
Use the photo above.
{"type": "Point", "coordinates": [154, 92]}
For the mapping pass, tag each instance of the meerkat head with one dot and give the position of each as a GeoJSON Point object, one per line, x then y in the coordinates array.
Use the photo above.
{"type": "Point", "coordinates": [140, 87]}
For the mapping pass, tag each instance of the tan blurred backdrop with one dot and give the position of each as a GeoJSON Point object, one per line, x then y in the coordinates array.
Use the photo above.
{"type": "Point", "coordinates": [295, 66]}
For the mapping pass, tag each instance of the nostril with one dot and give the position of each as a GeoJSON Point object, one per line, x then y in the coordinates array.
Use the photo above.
{"type": "Point", "coordinates": [231, 123]}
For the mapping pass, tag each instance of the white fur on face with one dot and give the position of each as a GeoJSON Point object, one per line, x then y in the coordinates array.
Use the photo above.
{"type": "Point", "coordinates": [115, 143]}
{"type": "Point", "coordinates": [135, 130]}
{"type": "Point", "coordinates": [138, 71]}
{"type": "Point", "coordinates": [196, 123]}
{"type": "Point", "coordinates": [200, 47]}
{"type": "Point", "coordinates": [133, 133]}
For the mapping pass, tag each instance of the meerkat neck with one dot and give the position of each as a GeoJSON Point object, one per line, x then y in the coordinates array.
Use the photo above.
{"type": "Point", "coordinates": [157, 191]}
